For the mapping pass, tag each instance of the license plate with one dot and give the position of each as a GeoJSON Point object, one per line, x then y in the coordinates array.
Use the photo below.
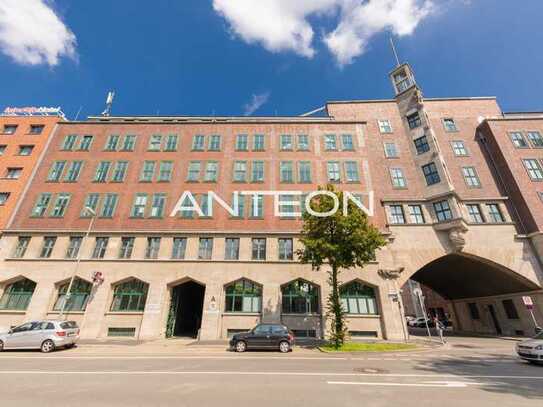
{"type": "Point", "coordinates": [71, 334]}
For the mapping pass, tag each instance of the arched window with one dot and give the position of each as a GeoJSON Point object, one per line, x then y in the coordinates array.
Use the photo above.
{"type": "Point", "coordinates": [243, 296]}
{"type": "Point", "coordinates": [130, 296]}
{"type": "Point", "coordinates": [300, 297]}
{"type": "Point", "coordinates": [79, 295]}
{"type": "Point", "coordinates": [358, 298]}
{"type": "Point", "coordinates": [17, 295]}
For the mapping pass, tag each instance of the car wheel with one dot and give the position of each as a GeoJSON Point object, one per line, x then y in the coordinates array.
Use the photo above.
{"type": "Point", "coordinates": [47, 346]}
{"type": "Point", "coordinates": [70, 346]}
{"type": "Point", "coordinates": [284, 347]}
{"type": "Point", "coordinates": [1, 346]}
{"type": "Point", "coordinates": [241, 346]}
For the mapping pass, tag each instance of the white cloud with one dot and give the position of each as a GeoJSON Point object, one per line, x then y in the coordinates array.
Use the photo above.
{"type": "Point", "coordinates": [257, 101]}
{"type": "Point", "coordinates": [284, 25]}
{"type": "Point", "coordinates": [31, 33]}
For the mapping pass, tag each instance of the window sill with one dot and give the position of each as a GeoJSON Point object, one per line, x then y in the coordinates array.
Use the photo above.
{"type": "Point", "coordinates": [66, 312]}
{"type": "Point", "coordinates": [124, 313]}
{"type": "Point", "coordinates": [369, 316]}
{"type": "Point", "coordinates": [12, 311]}
{"type": "Point", "coordinates": [300, 315]}
{"type": "Point", "coordinates": [241, 314]}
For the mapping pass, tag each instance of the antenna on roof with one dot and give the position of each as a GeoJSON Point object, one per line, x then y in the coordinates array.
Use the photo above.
{"type": "Point", "coordinates": [109, 103]}
{"type": "Point", "coordinates": [394, 52]}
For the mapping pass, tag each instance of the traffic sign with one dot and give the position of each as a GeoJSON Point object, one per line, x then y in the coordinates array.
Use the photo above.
{"type": "Point", "coordinates": [528, 302]}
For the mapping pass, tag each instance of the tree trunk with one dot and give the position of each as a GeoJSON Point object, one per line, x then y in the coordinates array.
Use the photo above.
{"type": "Point", "coordinates": [335, 310]}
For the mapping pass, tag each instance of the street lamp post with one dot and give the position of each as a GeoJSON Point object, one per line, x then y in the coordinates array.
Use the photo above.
{"type": "Point", "coordinates": [78, 261]}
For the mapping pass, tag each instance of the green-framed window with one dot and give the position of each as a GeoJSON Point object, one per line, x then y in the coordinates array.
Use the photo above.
{"type": "Point", "coordinates": [357, 298]}
{"type": "Point", "coordinates": [41, 205]}
{"type": "Point", "coordinates": [214, 142]}
{"type": "Point", "coordinates": [211, 171]}
{"type": "Point", "coordinates": [330, 142]}
{"type": "Point", "coordinates": [61, 204]}
{"type": "Point", "coordinates": [286, 172]}
{"type": "Point", "coordinates": [69, 142]}
{"type": "Point", "coordinates": [165, 171]}
{"type": "Point", "coordinates": [347, 143]}
{"type": "Point", "coordinates": [171, 142]}
{"type": "Point", "coordinates": [303, 142]}
{"type": "Point", "coordinates": [72, 175]}
{"type": "Point", "coordinates": [91, 201]}
{"type": "Point", "coordinates": [85, 143]}
{"type": "Point", "coordinates": [79, 296]}
{"type": "Point", "coordinates": [240, 171]}
{"type": "Point", "coordinates": [119, 172]}
{"type": "Point", "coordinates": [198, 142]}
{"type": "Point", "coordinates": [300, 297]}
{"type": "Point", "coordinates": [101, 171]}
{"type": "Point", "coordinates": [285, 142]}
{"type": "Point", "coordinates": [112, 142]}
{"type": "Point", "coordinates": [243, 296]}
{"type": "Point", "coordinates": [242, 143]}
{"type": "Point", "coordinates": [148, 171]}
{"type": "Point", "coordinates": [158, 202]}
{"type": "Point", "coordinates": [130, 296]}
{"type": "Point", "coordinates": [109, 206]}
{"type": "Point", "coordinates": [304, 172]}
{"type": "Point", "coordinates": [257, 174]}
{"type": "Point", "coordinates": [259, 142]}
{"type": "Point", "coordinates": [155, 142]}
{"type": "Point", "coordinates": [139, 206]}
{"type": "Point", "coordinates": [193, 172]}
{"type": "Point", "coordinates": [55, 172]}
{"type": "Point", "coordinates": [17, 296]}
{"type": "Point", "coordinates": [129, 143]}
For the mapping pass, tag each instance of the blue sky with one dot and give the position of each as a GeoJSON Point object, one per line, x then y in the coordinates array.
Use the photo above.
{"type": "Point", "coordinates": [187, 57]}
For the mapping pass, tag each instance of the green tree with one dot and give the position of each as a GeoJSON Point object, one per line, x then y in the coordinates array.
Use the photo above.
{"type": "Point", "coordinates": [341, 241]}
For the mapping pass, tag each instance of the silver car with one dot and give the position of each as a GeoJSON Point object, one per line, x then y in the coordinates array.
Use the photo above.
{"type": "Point", "coordinates": [46, 335]}
{"type": "Point", "coordinates": [532, 349]}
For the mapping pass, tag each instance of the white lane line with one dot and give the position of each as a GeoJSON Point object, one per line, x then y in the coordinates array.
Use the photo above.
{"type": "Point", "coordinates": [450, 384]}
{"type": "Point", "coordinates": [236, 358]}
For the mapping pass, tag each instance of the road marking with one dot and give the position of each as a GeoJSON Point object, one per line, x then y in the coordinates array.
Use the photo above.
{"type": "Point", "coordinates": [441, 384]}
{"type": "Point", "coordinates": [233, 357]}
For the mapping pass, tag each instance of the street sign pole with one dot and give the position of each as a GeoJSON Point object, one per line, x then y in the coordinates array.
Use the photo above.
{"type": "Point", "coordinates": [528, 302]}
{"type": "Point", "coordinates": [418, 293]}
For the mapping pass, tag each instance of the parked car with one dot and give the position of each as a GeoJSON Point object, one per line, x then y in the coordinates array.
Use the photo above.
{"type": "Point", "coordinates": [264, 336]}
{"type": "Point", "coordinates": [531, 349]}
{"type": "Point", "coordinates": [46, 335]}
{"type": "Point", "coordinates": [417, 322]}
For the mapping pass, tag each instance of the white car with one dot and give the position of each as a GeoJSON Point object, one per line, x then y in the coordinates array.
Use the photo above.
{"type": "Point", "coordinates": [417, 322]}
{"type": "Point", "coordinates": [531, 349]}
{"type": "Point", "coordinates": [46, 335]}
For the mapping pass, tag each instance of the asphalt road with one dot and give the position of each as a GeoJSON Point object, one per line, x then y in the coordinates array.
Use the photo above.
{"type": "Point", "coordinates": [457, 377]}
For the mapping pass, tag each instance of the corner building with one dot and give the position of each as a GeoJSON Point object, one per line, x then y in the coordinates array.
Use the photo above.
{"type": "Point", "coordinates": [437, 199]}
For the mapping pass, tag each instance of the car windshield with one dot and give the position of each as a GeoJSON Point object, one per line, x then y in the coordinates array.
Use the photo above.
{"type": "Point", "coordinates": [539, 335]}
{"type": "Point", "coordinates": [68, 325]}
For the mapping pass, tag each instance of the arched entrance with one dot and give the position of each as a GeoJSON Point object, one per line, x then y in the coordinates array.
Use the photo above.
{"type": "Point", "coordinates": [186, 308]}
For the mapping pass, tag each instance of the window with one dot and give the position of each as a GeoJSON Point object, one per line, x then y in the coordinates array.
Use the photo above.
{"type": "Point", "coordinates": [206, 206]}
{"type": "Point", "coordinates": [22, 245]}
{"type": "Point", "coordinates": [347, 142]}
{"type": "Point", "coordinates": [179, 247]}
{"type": "Point", "coordinates": [258, 142]}
{"type": "Point", "coordinates": [214, 142]}
{"type": "Point", "coordinates": [257, 174]}
{"type": "Point", "coordinates": [391, 151]}
{"type": "Point", "coordinates": [155, 142]}
{"type": "Point", "coordinates": [2, 149]}
{"type": "Point", "coordinates": [421, 145]}
{"type": "Point", "coordinates": [130, 296]}
{"type": "Point", "coordinates": [158, 203]}
{"type": "Point", "coordinates": [300, 297]}
{"type": "Point", "coordinates": [396, 215]}
{"type": "Point", "coordinates": [9, 129]}
{"type": "Point", "coordinates": [119, 172]}
{"type": "Point", "coordinates": [91, 201]}
{"type": "Point", "coordinates": [384, 126]}
{"type": "Point", "coordinates": [287, 205]}
{"type": "Point", "coordinates": [240, 171]}
{"type": "Point", "coordinates": [109, 205]}
{"type": "Point", "coordinates": [100, 247]}
{"type": "Point", "coordinates": [397, 177]}
{"type": "Point", "coordinates": [510, 309]}
{"type": "Point", "coordinates": [129, 143]}
{"type": "Point", "coordinates": [205, 248]}
{"type": "Point", "coordinates": [231, 248]}
{"type": "Point", "coordinates": [72, 175]}
{"type": "Point", "coordinates": [459, 148]}
{"type": "Point", "coordinates": [257, 206]}
{"type": "Point", "coordinates": [286, 172]}
{"type": "Point", "coordinates": [303, 142]}
{"type": "Point", "coordinates": [25, 150]}
{"type": "Point", "coordinates": [330, 143]}
{"type": "Point", "coordinates": [431, 174]}
{"type": "Point", "coordinates": [36, 129]}
{"type": "Point", "coordinates": [41, 205]}
{"type": "Point", "coordinates": [165, 171]}
{"type": "Point", "coordinates": [518, 140]}
{"type": "Point", "coordinates": [535, 138]}
{"type": "Point", "coordinates": [242, 143]}
{"type": "Point", "coordinates": [112, 142]}
{"type": "Point", "coordinates": [139, 206]}
{"type": "Point", "coordinates": [61, 203]}
{"type": "Point", "coordinates": [171, 142]}
{"type": "Point", "coordinates": [286, 142]}
{"type": "Point", "coordinates": [285, 249]}
{"type": "Point", "coordinates": [211, 172]}
{"type": "Point", "coordinates": [79, 296]}
{"type": "Point", "coordinates": [193, 174]}
{"type": "Point", "coordinates": [74, 244]}
{"type": "Point", "coordinates": [85, 143]}
{"type": "Point", "coordinates": [55, 172]}
{"type": "Point", "coordinates": [333, 171]}
{"type": "Point", "coordinates": [450, 125]}
{"type": "Point", "coordinates": [415, 214]}
{"type": "Point", "coordinates": [4, 197]}
{"type": "Point", "coordinates": [470, 177]}
{"type": "Point", "coordinates": [198, 142]}
{"type": "Point", "coordinates": [187, 213]}
{"type": "Point", "coordinates": [243, 296]}
{"type": "Point", "coordinates": [304, 172]}
{"type": "Point", "coordinates": [239, 209]}
{"type": "Point", "coordinates": [534, 169]}
{"type": "Point", "coordinates": [258, 248]}
{"type": "Point", "coordinates": [443, 211]}
{"type": "Point", "coordinates": [351, 171]}
{"type": "Point", "coordinates": [148, 171]}
{"type": "Point", "coordinates": [47, 246]}
{"type": "Point", "coordinates": [357, 298]}
{"type": "Point", "coordinates": [17, 296]}
{"type": "Point", "coordinates": [152, 248]}
{"type": "Point", "coordinates": [102, 171]}
{"type": "Point", "coordinates": [494, 213]}
{"type": "Point", "coordinates": [473, 311]}
{"type": "Point", "coordinates": [474, 211]}
{"type": "Point", "coordinates": [127, 246]}
{"type": "Point", "coordinates": [69, 142]}
{"type": "Point", "coordinates": [413, 120]}
{"type": "Point", "coordinates": [402, 81]}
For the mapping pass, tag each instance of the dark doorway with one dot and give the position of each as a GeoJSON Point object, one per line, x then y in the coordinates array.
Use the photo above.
{"type": "Point", "coordinates": [494, 318]}
{"type": "Point", "coordinates": [187, 308]}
